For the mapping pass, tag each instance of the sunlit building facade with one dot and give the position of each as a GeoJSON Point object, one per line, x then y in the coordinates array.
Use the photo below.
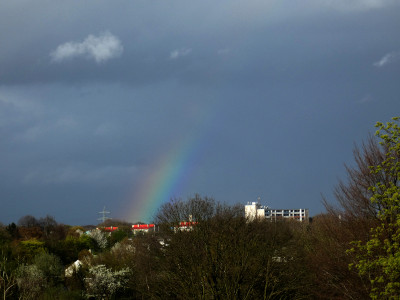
{"type": "Point", "coordinates": [254, 210]}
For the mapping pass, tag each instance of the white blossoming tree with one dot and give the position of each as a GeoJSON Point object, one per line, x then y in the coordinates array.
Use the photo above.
{"type": "Point", "coordinates": [100, 238]}
{"type": "Point", "coordinates": [103, 282]}
{"type": "Point", "coordinates": [31, 281]}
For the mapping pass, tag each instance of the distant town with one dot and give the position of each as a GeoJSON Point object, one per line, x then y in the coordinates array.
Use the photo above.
{"type": "Point", "coordinates": [252, 211]}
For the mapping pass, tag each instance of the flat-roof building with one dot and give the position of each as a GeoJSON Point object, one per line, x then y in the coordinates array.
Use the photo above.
{"type": "Point", "coordinates": [254, 210]}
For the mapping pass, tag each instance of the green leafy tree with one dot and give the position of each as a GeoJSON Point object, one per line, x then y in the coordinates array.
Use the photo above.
{"type": "Point", "coordinates": [45, 272]}
{"type": "Point", "coordinates": [51, 267]}
{"type": "Point", "coordinates": [68, 250]}
{"type": "Point", "coordinates": [118, 236]}
{"type": "Point", "coordinates": [5, 236]}
{"type": "Point", "coordinates": [12, 229]}
{"type": "Point", "coordinates": [30, 248]}
{"type": "Point", "coordinates": [379, 257]}
{"type": "Point", "coordinates": [86, 242]}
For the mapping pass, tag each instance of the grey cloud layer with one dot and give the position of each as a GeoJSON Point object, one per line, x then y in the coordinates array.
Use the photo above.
{"type": "Point", "coordinates": [80, 174]}
{"type": "Point", "coordinates": [151, 43]}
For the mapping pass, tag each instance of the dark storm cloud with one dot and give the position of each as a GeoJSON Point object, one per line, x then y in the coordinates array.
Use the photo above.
{"type": "Point", "coordinates": [277, 91]}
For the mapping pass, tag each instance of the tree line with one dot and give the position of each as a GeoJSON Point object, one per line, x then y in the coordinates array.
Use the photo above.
{"type": "Point", "coordinates": [349, 252]}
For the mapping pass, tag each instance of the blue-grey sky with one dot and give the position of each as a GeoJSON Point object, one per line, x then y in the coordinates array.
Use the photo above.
{"type": "Point", "coordinates": [267, 97]}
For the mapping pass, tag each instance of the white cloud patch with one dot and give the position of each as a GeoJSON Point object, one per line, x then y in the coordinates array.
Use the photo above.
{"type": "Point", "coordinates": [99, 48]}
{"type": "Point", "coordinates": [387, 59]}
{"type": "Point", "coordinates": [179, 53]}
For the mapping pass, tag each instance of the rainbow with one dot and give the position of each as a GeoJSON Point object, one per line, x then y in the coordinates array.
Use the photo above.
{"type": "Point", "coordinates": [167, 176]}
{"type": "Point", "coordinates": [169, 173]}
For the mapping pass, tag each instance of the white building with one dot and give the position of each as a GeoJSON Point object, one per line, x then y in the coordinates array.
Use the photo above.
{"type": "Point", "coordinates": [254, 210]}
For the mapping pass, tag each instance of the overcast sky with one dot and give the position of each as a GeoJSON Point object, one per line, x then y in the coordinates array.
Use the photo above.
{"type": "Point", "coordinates": [238, 98]}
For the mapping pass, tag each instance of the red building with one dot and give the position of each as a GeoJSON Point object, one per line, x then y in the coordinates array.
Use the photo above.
{"type": "Point", "coordinates": [136, 228]}
{"type": "Point", "coordinates": [108, 229]}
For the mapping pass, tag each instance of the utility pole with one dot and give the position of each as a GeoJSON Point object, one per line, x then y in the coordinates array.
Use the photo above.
{"type": "Point", "coordinates": [104, 217]}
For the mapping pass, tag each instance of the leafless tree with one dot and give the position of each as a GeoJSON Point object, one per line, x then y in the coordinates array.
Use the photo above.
{"type": "Point", "coordinates": [8, 279]}
{"type": "Point", "coordinates": [349, 219]}
{"type": "Point", "coordinates": [353, 195]}
{"type": "Point", "coordinates": [28, 221]}
{"type": "Point", "coordinates": [47, 224]}
{"type": "Point", "coordinates": [223, 256]}
{"type": "Point", "coordinates": [329, 239]}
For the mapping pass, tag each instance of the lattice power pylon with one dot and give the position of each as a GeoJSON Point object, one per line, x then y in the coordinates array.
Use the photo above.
{"type": "Point", "coordinates": [104, 215]}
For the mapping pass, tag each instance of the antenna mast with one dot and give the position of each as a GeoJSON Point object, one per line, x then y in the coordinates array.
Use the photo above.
{"type": "Point", "coordinates": [104, 213]}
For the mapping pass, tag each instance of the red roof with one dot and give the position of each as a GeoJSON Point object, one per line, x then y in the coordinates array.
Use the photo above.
{"type": "Point", "coordinates": [109, 229]}
{"type": "Point", "coordinates": [142, 226]}
{"type": "Point", "coordinates": [183, 224]}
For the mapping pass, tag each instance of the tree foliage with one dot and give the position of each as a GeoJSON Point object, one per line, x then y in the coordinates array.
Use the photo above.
{"type": "Point", "coordinates": [51, 267]}
{"type": "Point", "coordinates": [100, 238]}
{"type": "Point", "coordinates": [328, 238]}
{"type": "Point", "coordinates": [31, 281]}
{"type": "Point", "coordinates": [353, 195]}
{"type": "Point", "coordinates": [28, 221]}
{"type": "Point", "coordinates": [30, 248]}
{"type": "Point", "coordinates": [103, 283]}
{"type": "Point", "coordinates": [379, 257]}
{"type": "Point", "coordinates": [222, 256]}
{"type": "Point", "coordinates": [8, 278]}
